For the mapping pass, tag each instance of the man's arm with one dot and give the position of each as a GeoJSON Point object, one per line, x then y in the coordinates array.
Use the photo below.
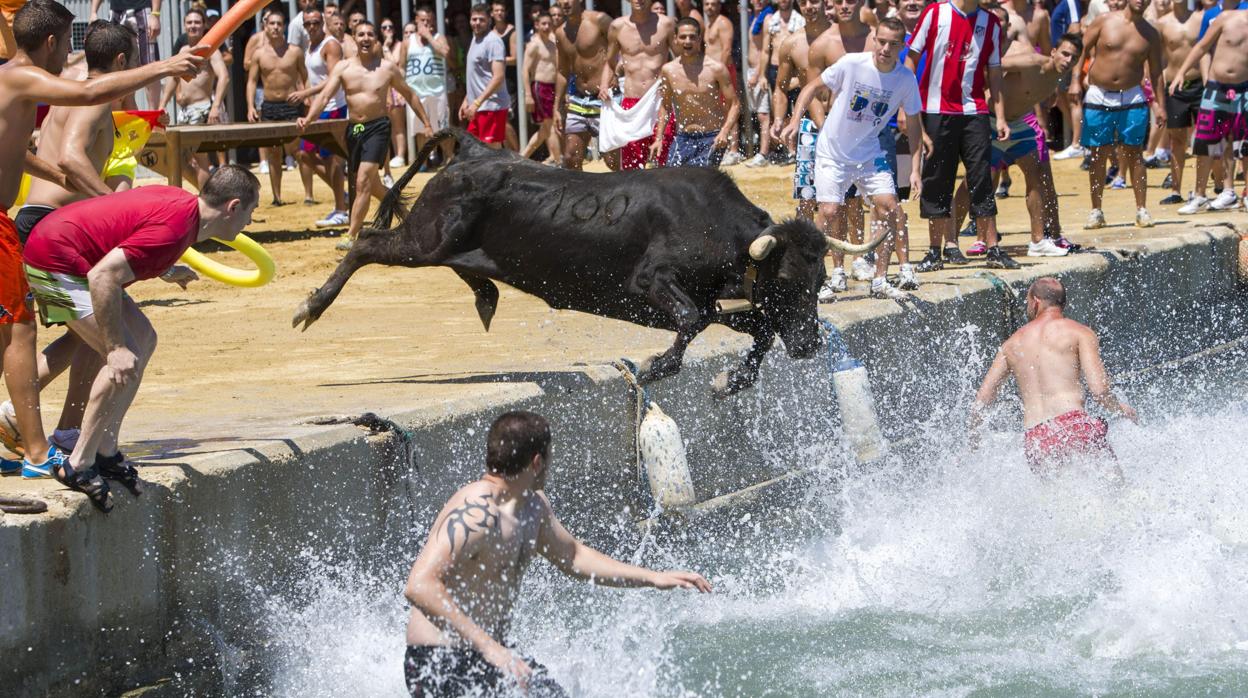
{"type": "Point", "coordinates": [37, 85]}
{"type": "Point", "coordinates": [95, 10]}
{"type": "Point", "coordinates": [665, 108]}
{"type": "Point", "coordinates": [106, 279]}
{"type": "Point", "coordinates": [328, 88]}
{"type": "Point", "coordinates": [804, 98]}
{"type": "Point", "coordinates": [1096, 378]}
{"type": "Point", "coordinates": [166, 92]}
{"type": "Point", "coordinates": [997, 373]}
{"type": "Point", "coordinates": [253, 77]}
{"type": "Point", "coordinates": [222, 76]}
{"type": "Point", "coordinates": [461, 530]}
{"type": "Point", "coordinates": [77, 139]}
{"type": "Point", "coordinates": [580, 561]}
{"type": "Point", "coordinates": [1198, 52]}
{"type": "Point", "coordinates": [733, 103]}
{"type": "Point", "coordinates": [153, 20]}
{"type": "Point", "coordinates": [607, 78]}
{"type": "Point", "coordinates": [562, 69]}
{"type": "Point", "coordinates": [914, 134]}
{"type": "Point", "coordinates": [997, 85]}
{"type": "Point", "coordinates": [36, 166]}
{"type": "Point", "coordinates": [779, 100]}
{"type": "Point", "coordinates": [530, 68]}
{"type": "Point", "coordinates": [764, 58]}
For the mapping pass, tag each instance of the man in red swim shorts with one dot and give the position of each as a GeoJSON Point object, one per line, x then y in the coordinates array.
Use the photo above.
{"type": "Point", "coordinates": [1047, 357]}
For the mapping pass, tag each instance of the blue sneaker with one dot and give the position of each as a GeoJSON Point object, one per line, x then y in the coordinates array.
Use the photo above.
{"type": "Point", "coordinates": [56, 458]}
{"type": "Point", "coordinates": [10, 467]}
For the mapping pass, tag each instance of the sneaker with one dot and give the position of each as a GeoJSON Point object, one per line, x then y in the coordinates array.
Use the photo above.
{"type": "Point", "coordinates": [344, 245]}
{"type": "Point", "coordinates": [333, 220]}
{"type": "Point", "coordinates": [387, 180]}
{"type": "Point", "coordinates": [998, 259]}
{"type": "Point", "coordinates": [56, 457]}
{"type": "Point", "coordinates": [1046, 248]}
{"type": "Point", "coordinates": [954, 256]}
{"type": "Point", "coordinates": [1196, 204]}
{"type": "Point", "coordinates": [1172, 200]}
{"type": "Point", "coordinates": [977, 249]}
{"type": "Point", "coordinates": [1096, 219]}
{"type": "Point", "coordinates": [1086, 164]}
{"type": "Point", "coordinates": [397, 161]}
{"type": "Point", "coordinates": [264, 167]}
{"type": "Point", "coordinates": [880, 288]}
{"type": "Point", "coordinates": [1065, 244]}
{"type": "Point", "coordinates": [1156, 162]}
{"type": "Point", "coordinates": [970, 230]}
{"type": "Point", "coordinates": [835, 284]}
{"type": "Point", "coordinates": [65, 439]}
{"type": "Point", "coordinates": [1074, 150]}
{"type": "Point", "coordinates": [1112, 174]}
{"type": "Point", "coordinates": [1003, 191]}
{"type": "Point", "coordinates": [1118, 183]}
{"type": "Point", "coordinates": [1225, 201]}
{"type": "Point", "coordinates": [906, 278]}
{"type": "Point", "coordinates": [1142, 219]}
{"type": "Point", "coordinates": [10, 437]}
{"type": "Point", "coordinates": [732, 157]}
{"type": "Point", "coordinates": [930, 262]}
{"type": "Point", "coordinates": [759, 160]}
{"type": "Point", "coordinates": [861, 269]}
{"type": "Point", "coordinates": [10, 466]}
{"type": "Point", "coordinates": [1168, 182]}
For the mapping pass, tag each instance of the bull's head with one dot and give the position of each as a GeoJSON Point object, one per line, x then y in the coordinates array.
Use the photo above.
{"type": "Point", "coordinates": [787, 261]}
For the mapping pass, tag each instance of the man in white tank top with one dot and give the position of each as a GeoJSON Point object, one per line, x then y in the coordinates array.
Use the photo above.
{"type": "Point", "coordinates": [423, 59]}
{"type": "Point", "coordinates": [322, 55]}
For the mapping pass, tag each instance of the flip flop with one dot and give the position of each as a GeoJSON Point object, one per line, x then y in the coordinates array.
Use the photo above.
{"type": "Point", "coordinates": [116, 468]}
{"type": "Point", "coordinates": [87, 482]}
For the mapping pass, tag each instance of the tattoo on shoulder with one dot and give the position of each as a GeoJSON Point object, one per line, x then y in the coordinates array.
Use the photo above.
{"type": "Point", "coordinates": [471, 516]}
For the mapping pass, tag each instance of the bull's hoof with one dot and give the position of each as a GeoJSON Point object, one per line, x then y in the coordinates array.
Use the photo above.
{"type": "Point", "coordinates": [731, 382]}
{"type": "Point", "coordinates": [305, 316]}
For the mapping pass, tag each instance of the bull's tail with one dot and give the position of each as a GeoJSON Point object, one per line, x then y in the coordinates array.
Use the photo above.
{"type": "Point", "coordinates": [395, 200]}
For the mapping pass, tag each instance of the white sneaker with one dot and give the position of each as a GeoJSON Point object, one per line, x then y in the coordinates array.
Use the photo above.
{"type": "Point", "coordinates": [1096, 219]}
{"type": "Point", "coordinates": [387, 180]}
{"type": "Point", "coordinates": [333, 220]}
{"type": "Point", "coordinates": [836, 283]}
{"type": "Point", "coordinates": [1142, 219]}
{"type": "Point", "coordinates": [397, 161]}
{"type": "Point", "coordinates": [882, 289]}
{"type": "Point", "coordinates": [290, 162]}
{"type": "Point", "coordinates": [264, 167]}
{"type": "Point", "coordinates": [757, 161]}
{"type": "Point", "coordinates": [1196, 204]}
{"type": "Point", "coordinates": [1074, 150]}
{"type": "Point", "coordinates": [732, 157]}
{"type": "Point", "coordinates": [862, 269]}
{"type": "Point", "coordinates": [1225, 201]}
{"type": "Point", "coordinates": [907, 280]}
{"type": "Point", "coordinates": [1046, 248]}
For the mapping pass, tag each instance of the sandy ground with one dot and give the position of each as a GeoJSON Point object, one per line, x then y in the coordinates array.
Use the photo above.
{"type": "Point", "coordinates": [230, 367]}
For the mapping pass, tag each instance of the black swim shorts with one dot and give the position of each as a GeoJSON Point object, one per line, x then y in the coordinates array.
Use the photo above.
{"type": "Point", "coordinates": [28, 217]}
{"type": "Point", "coordinates": [959, 137]}
{"type": "Point", "coordinates": [450, 672]}
{"type": "Point", "coordinates": [1183, 106]}
{"type": "Point", "coordinates": [279, 111]}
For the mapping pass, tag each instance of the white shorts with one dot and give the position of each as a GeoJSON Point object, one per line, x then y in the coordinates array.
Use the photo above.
{"type": "Point", "coordinates": [833, 179]}
{"type": "Point", "coordinates": [436, 108]}
{"type": "Point", "coordinates": [760, 97]}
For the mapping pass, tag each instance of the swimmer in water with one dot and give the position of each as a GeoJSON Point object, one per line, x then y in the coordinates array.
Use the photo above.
{"type": "Point", "coordinates": [467, 577]}
{"type": "Point", "coordinates": [1047, 358]}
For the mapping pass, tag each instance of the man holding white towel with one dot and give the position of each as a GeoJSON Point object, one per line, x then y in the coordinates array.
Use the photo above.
{"type": "Point", "coordinates": [639, 44]}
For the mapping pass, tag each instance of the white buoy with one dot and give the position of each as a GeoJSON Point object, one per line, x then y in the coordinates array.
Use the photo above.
{"type": "Point", "coordinates": [859, 422]}
{"type": "Point", "coordinates": [662, 455]}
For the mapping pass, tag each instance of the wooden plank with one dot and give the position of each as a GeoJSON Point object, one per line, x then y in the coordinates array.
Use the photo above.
{"type": "Point", "coordinates": [329, 134]}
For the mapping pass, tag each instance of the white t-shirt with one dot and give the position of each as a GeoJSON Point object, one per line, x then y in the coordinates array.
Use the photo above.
{"type": "Point", "coordinates": [866, 100]}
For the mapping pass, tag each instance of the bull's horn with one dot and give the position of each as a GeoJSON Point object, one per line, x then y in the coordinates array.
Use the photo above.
{"type": "Point", "coordinates": [762, 246]}
{"type": "Point", "coordinates": [851, 248]}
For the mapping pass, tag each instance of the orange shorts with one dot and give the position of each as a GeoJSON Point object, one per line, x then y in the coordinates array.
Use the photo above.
{"type": "Point", "coordinates": [15, 298]}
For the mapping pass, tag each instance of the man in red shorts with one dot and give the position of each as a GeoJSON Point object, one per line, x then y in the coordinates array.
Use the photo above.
{"type": "Point", "coordinates": [1047, 357]}
{"type": "Point", "coordinates": [78, 261]}
{"type": "Point", "coordinates": [487, 100]}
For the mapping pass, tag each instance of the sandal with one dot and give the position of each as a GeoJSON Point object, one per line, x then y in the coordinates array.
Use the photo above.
{"type": "Point", "coordinates": [117, 469]}
{"type": "Point", "coordinates": [87, 482]}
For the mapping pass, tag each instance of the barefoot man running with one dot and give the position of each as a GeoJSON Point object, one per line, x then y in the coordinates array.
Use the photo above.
{"type": "Point", "coordinates": [1049, 357]}
{"type": "Point", "coordinates": [467, 577]}
{"type": "Point", "coordinates": [640, 43]}
{"type": "Point", "coordinates": [581, 51]}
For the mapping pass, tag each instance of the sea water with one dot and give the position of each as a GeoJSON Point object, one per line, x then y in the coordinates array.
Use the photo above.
{"type": "Point", "coordinates": [941, 572]}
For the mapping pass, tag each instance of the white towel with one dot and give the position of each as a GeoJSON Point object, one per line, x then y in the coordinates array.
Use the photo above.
{"type": "Point", "coordinates": [619, 126]}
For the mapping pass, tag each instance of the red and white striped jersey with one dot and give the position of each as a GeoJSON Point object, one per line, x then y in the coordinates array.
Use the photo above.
{"type": "Point", "coordinates": [958, 49]}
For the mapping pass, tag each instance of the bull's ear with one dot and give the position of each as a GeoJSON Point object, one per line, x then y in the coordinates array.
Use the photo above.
{"type": "Point", "coordinates": [762, 246]}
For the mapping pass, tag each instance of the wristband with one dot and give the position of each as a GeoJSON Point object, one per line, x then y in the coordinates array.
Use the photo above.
{"type": "Point", "coordinates": [155, 13]}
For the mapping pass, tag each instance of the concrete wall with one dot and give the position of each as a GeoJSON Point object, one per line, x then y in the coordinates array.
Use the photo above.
{"type": "Point", "coordinates": [164, 587]}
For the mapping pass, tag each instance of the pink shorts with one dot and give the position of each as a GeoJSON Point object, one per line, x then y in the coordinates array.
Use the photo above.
{"type": "Point", "coordinates": [1042, 145]}
{"type": "Point", "coordinates": [1075, 432]}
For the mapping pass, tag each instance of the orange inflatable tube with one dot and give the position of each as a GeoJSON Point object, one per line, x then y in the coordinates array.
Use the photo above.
{"type": "Point", "coordinates": [231, 20]}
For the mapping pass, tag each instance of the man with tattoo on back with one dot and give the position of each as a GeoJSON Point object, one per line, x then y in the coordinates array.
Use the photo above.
{"type": "Point", "coordinates": [466, 579]}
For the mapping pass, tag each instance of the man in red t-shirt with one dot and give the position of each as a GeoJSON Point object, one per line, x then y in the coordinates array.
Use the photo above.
{"type": "Point", "coordinates": [78, 261]}
{"type": "Point", "coordinates": [960, 45]}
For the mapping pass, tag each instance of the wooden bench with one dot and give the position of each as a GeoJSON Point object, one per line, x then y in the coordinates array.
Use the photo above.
{"type": "Point", "coordinates": [184, 140]}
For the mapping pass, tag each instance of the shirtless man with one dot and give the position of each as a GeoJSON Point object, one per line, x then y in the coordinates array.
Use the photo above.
{"type": "Point", "coordinates": [1222, 108]}
{"type": "Point", "coordinates": [1115, 111]}
{"type": "Point", "coordinates": [1032, 22]}
{"type": "Point", "coordinates": [199, 100]}
{"type": "Point", "coordinates": [581, 53]}
{"type": "Point", "coordinates": [793, 58]}
{"type": "Point", "coordinates": [698, 91]}
{"type": "Point", "coordinates": [757, 93]}
{"type": "Point", "coordinates": [779, 26]}
{"type": "Point", "coordinates": [42, 32]}
{"type": "Point", "coordinates": [1179, 28]}
{"type": "Point", "coordinates": [280, 67]}
{"type": "Point", "coordinates": [685, 8]}
{"type": "Point", "coordinates": [366, 78]}
{"type": "Point", "coordinates": [322, 53]}
{"type": "Point", "coordinates": [1029, 79]}
{"type": "Point", "coordinates": [467, 577]}
{"type": "Point", "coordinates": [539, 87]}
{"type": "Point", "coordinates": [1051, 357]}
{"type": "Point", "coordinates": [639, 45]}
{"type": "Point", "coordinates": [719, 37]}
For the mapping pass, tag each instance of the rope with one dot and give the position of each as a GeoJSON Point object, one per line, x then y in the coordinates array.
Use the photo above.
{"type": "Point", "coordinates": [1011, 297]}
{"type": "Point", "coordinates": [22, 505]}
{"type": "Point", "coordinates": [642, 403]}
{"type": "Point", "coordinates": [838, 350]}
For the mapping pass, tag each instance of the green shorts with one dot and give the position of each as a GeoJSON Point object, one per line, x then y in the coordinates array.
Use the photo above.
{"type": "Point", "coordinates": [61, 297]}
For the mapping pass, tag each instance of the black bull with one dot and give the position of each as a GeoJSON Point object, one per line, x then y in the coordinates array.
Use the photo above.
{"type": "Point", "coordinates": [657, 248]}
